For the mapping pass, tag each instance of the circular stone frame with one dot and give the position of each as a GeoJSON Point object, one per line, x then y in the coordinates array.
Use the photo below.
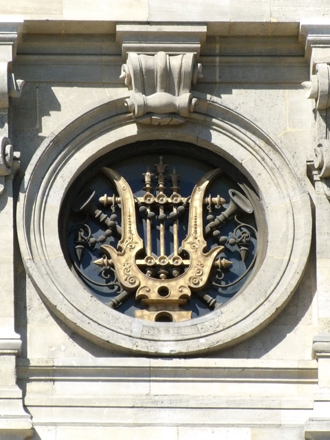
{"type": "Point", "coordinates": [64, 155]}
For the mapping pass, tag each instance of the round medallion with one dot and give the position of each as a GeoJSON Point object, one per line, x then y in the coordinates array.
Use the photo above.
{"type": "Point", "coordinates": [158, 227]}
{"type": "Point", "coordinates": [194, 258]}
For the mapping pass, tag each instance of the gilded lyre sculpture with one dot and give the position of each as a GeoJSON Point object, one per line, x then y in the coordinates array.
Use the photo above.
{"type": "Point", "coordinates": [163, 283]}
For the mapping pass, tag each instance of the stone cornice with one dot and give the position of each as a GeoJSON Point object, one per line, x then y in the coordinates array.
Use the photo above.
{"type": "Point", "coordinates": [143, 373]}
{"type": "Point", "coordinates": [218, 369]}
{"type": "Point", "coordinates": [172, 39]}
{"type": "Point", "coordinates": [316, 37]}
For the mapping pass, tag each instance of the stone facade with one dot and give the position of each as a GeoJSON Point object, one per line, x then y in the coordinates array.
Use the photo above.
{"type": "Point", "coordinates": [247, 82]}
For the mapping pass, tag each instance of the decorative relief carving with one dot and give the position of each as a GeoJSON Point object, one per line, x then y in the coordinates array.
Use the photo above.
{"type": "Point", "coordinates": [160, 85]}
{"type": "Point", "coordinates": [322, 158]}
{"type": "Point", "coordinates": [9, 85]}
{"type": "Point", "coordinates": [322, 164]}
{"type": "Point", "coordinates": [283, 246]}
{"type": "Point", "coordinates": [318, 87]}
{"type": "Point", "coordinates": [15, 86]}
{"type": "Point", "coordinates": [9, 161]}
{"type": "Point", "coordinates": [164, 281]}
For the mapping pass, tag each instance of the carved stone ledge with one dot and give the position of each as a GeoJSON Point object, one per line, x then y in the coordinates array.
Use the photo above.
{"type": "Point", "coordinates": [160, 69]}
{"type": "Point", "coordinates": [14, 433]}
{"type": "Point", "coordinates": [10, 346]}
{"type": "Point", "coordinates": [321, 345]}
{"type": "Point", "coordinates": [317, 429]}
{"type": "Point", "coordinates": [316, 37]}
{"type": "Point", "coordinates": [150, 39]}
{"type": "Point", "coordinates": [321, 349]}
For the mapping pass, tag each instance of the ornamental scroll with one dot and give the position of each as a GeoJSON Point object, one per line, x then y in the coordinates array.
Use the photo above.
{"type": "Point", "coordinates": [160, 86]}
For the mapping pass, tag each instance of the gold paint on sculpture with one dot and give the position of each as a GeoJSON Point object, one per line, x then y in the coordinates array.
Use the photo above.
{"type": "Point", "coordinates": [162, 296]}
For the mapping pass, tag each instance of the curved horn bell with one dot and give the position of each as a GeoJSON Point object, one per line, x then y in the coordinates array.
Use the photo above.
{"type": "Point", "coordinates": [237, 203]}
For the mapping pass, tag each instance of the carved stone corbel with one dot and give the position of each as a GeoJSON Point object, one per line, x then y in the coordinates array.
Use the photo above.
{"type": "Point", "coordinates": [318, 87]}
{"type": "Point", "coordinates": [161, 66]}
{"type": "Point", "coordinates": [9, 87]}
{"type": "Point", "coordinates": [9, 161]}
{"type": "Point", "coordinates": [322, 164]}
{"type": "Point", "coordinates": [316, 38]}
{"type": "Point", "coordinates": [160, 86]}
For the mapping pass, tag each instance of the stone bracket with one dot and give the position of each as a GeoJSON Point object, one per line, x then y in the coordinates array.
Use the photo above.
{"type": "Point", "coordinates": [150, 39]}
{"type": "Point", "coordinates": [318, 86]}
{"type": "Point", "coordinates": [9, 86]}
{"type": "Point", "coordinates": [160, 70]}
{"type": "Point", "coordinates": [9, 161]}
{"type": "Point", "coordinates": [316, 37]}
{"type": "Point", "coordinates": [322, 165]}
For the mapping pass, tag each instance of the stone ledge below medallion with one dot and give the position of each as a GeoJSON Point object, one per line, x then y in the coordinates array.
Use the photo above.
{"type": "Point", "coordinates": [211, 367]}
{"type": "Point", "coordinates": [147, 383]}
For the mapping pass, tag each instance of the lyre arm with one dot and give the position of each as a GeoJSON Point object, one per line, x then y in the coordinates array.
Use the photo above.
{"type": "Point", "coordinates": [195, 225]}
{"type": "Point", "coordinates": [128, 223]}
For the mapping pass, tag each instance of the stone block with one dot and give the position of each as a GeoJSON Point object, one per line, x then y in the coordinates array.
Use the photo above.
{"type": "Point", "coordinates": [192, 11]}
{"type": "Point", "coordinates": [31, 7]}
{"type": "Point", "coordinates": [252, 11]}
{"type": "Point", "coordinates": [215, 433]}
{"type": "Point", "coordinates": [103, 432]}
{"type": "Point", "coordinates": [294, 433]}
{"type": "Point", "coordinates": [300, 111]}
{"type": "Point", "coordinates": [125, 10]}
{"type": "Point", "coordinates": [251, 109]}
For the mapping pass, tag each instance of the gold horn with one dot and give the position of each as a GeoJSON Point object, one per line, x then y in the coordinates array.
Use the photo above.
{"type": "Point", "coordinates": [237, 203]}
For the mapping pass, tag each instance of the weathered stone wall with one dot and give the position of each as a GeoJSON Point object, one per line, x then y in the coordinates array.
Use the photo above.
{"type": "Point", "coordinates": [264, 377]}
